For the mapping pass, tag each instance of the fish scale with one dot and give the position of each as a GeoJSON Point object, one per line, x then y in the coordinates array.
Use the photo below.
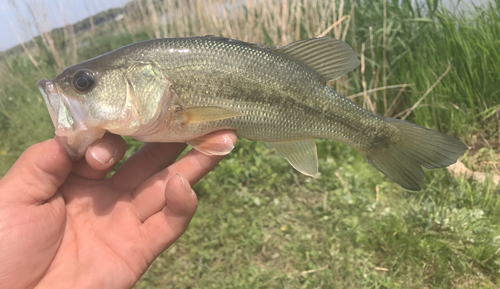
{"type": "Point", "coordinates": [181, 89]}
{"type": "Point", "coordinates": [286, 86]}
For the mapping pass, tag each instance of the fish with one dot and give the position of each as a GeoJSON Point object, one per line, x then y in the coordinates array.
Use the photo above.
{"type": "Point", "coordinates": [181, 89]}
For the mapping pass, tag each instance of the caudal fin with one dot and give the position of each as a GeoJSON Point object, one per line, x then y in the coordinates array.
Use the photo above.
{"type": "Point", "coordinates": [415, 147]}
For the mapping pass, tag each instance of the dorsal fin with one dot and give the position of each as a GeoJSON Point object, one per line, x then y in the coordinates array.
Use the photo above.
{"type": "Point", "coordinates": [233, 41]}
{"type": "Point", "coordinates": [331, 58]}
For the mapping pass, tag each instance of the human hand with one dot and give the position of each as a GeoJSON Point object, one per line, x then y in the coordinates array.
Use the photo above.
{"type": "Point", "coordinates": [63, 225]}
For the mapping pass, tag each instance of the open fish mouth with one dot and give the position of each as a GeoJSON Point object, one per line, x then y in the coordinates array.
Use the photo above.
{"type": "Point", "coordinates": [68, 117]}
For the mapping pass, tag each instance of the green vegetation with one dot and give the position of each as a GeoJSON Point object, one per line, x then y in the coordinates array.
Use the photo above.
{"type": "Point", "coordinates": [260, 224]}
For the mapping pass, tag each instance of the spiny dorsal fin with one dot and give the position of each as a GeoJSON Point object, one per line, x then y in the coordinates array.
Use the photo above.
{"type": "Point", "coordinates": [234, 41]}
{"type": "Point", "coordinates": [331, 58]}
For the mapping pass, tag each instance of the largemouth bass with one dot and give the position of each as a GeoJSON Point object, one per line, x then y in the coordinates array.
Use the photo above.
{"type": "Point", "coordinates": [181, 89]}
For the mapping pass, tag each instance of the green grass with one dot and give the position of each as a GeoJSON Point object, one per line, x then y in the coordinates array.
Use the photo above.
{"type": "Point", "coordinates": [260, 224]}
{"type": "Point", "coordinates": [421, 44]}
{"type": "Point", "coordinates": [257, 228]}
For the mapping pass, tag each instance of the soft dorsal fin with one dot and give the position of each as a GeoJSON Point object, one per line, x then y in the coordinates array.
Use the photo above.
{"type": "Point", "coordinates": [331, 58]}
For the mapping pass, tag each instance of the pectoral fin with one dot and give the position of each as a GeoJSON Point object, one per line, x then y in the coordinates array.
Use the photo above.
{"type": "Point", "coordinates": [302, 155]}
{"type": "Point", "coordinates": [205, 114]}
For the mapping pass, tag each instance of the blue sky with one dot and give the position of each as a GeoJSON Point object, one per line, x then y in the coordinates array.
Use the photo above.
{"type": "Point", "coordinates": [74, 10]}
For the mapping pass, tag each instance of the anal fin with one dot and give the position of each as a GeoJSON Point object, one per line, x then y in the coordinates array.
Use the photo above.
{"type": "Point", "coordinates": [301, 154]}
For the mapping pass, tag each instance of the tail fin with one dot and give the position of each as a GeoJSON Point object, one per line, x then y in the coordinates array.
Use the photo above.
{"type": "Point", "coordinates": [415, 147]}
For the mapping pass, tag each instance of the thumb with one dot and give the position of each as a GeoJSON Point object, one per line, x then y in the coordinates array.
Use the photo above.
{"type": "Point", "coordinates": [37, 174]}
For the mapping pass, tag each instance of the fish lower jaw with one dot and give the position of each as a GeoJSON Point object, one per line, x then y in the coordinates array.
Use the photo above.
{"type": "Point", "coordinates": [77, 141]}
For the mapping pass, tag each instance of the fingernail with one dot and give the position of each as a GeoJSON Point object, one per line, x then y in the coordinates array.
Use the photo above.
{"type": "Point", "coordinates": [229, 143]}
{"type": "Point", "coordinates": [184, 183]}
{"type": "Point", "coordinates": [218, 148]}
{"type": "Point", "coordinates": [103, 152]}
{"type": "Point", "coordinates": [182, 179]}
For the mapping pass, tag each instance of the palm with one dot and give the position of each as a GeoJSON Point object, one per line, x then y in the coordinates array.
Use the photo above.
{"type": "Point", "coordinates": [93, 232]}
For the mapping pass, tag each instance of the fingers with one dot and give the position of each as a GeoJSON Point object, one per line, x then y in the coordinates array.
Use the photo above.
{"type": "Point", "coordinates": [150, 200]}
{"type": "Point", "coordinates": [37, 174]}
{"type": "Point", "coordinates": [101, 157]}
{"type": "Point", "coordinates": [165, 227]}
{"type": "Point", "coordinates": [150, 159]}
{"type": "Point", "coordinates": [148, 197]}
{"type": "Point", "coordinates": [154, 157]}
{"type": "Point", "coordinates": [217, 143]}
{"type": "Point", "coordinates": [195, 165]}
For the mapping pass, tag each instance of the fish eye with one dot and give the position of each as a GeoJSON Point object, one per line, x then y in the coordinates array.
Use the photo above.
{"type": "Point", "coordinates": [83, 80]}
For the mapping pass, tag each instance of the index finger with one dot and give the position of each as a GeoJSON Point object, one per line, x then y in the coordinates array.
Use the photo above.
{"type": "Point", "coordinates": [193, 166]}
{"type": "Point", "coordinates": [148, 160]}
{"type": "Point", "coordinates": [154, 157]}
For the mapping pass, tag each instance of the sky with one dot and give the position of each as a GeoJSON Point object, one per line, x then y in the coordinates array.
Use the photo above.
{"type": "Point", "coordinates": [74, 11]}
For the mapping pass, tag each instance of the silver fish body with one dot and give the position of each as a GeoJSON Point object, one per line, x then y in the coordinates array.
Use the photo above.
{"type": "Point", "coordinates": [180, 89]}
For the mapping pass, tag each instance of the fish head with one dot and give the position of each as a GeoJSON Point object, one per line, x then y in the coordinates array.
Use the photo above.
{"type": "Point", "coordinates": [103, 94]}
